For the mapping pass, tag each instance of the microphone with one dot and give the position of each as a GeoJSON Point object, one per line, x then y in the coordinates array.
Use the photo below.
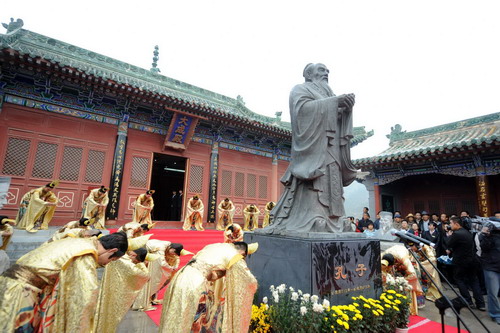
{"type": "Point", "coordinates": [411, 238]}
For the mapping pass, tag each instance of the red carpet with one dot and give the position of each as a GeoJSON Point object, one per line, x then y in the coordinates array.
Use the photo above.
{"type": "Point", "coordinates": [423, 325]}
{"type": "Point", "coordinates": [193, 241]}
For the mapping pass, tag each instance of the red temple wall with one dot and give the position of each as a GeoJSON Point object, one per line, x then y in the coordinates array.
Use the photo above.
{"type": "Point", "coordinates": [42, 146]}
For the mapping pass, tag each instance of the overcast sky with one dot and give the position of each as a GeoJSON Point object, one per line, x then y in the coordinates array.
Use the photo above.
{"type": "Point", "coordinates": [416, 63]}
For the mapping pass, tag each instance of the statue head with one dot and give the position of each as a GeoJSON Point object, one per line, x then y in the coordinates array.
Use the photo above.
{"type": "Point", "coordinates": [316, 73]}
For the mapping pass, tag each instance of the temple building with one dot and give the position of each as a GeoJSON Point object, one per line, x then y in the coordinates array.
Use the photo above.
{"type": "Point", "coordinates": [88, 120]}
{"type": "Point", "coordinates": [447, 168]}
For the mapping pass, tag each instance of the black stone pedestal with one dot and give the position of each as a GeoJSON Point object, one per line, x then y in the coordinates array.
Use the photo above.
{"type": "Point", "coordinates": [334, 267]}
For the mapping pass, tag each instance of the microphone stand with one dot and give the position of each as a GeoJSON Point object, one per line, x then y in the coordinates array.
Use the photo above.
{"type": "Point", "coordinates": [459, 318]}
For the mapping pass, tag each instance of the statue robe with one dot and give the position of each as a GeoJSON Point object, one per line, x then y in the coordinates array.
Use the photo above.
{"type": "Point", "coordinates": [52, 288]}
{"type": "Point", "coordinates": [160, 272]}
{"type": "Point", "coordinates": [34, 209]}
{"type": "Point", "coordinates": [226, 214]}
{"type": "Point", "coordinates": [190, 291]}
{"type": "Point", "coordinates": [142, 209]}
{"type": "Point", "coordinates": [194, 215]}
{"type": "Point", "coordinates": [121, 282]}
{"type": "Point", "coordinates": [92, 208]}
{"type": "Point", "coordinates": [320, 164]}
{"type": "Point", "coordinates": [251, 218]}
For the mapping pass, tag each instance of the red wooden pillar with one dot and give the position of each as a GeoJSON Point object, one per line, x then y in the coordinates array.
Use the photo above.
{"type": "Point", "coordinates": [274, 179]}
{"type": "Point", "coordinates": [483, 199]}
{"type": "Point", "coordinates": [376, 194]}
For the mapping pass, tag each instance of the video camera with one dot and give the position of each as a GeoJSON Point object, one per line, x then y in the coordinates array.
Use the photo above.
{"type": "Point", "coordinates": [476, 224]}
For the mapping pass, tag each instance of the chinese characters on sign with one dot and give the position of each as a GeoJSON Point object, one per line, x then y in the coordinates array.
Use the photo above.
{"type": "Point", "coordinates": [214, 169]}
{"type": "Point", "coordinates": [116, 175]}
{"type": "Point", "coordinates": [482, 195]}
{"type": "Point", "coordinates": [181, 130]}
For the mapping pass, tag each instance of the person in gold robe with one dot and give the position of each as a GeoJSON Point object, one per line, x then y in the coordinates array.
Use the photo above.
{"type": "Point", "coordinates": [135, 229]}
{"type": "Point", "coordinates": [267, 211]}
{"type": "Point", "coordinates": [6, 232]}
{"type": "Point", "coordinates": [160, 271]}
{"type": "Point", "coordinates": [37, 208]}
{"type": "Point", "coordinates": [94, 207]}
{"type": "Point", "coordinates": [251, 213]}
{"type": "Point", "coordinates": [54, 287]}
{"type": "Point", "coordinates": [401, 265]}
{"type": "Point", "coordinates": [430, 290]}
{"type": "Point", "coordinates": [193, 299]}
{"type": "Point", "coordinates": [194, 214]}
{"type": "Point", "coordinates": [120, 284]}
{"type": "Point", "coordinates": [142, 208]}
{"type": "Point", "coordinates": [233, 233]}
{"type": "Point", "coordinates": [226, 213]}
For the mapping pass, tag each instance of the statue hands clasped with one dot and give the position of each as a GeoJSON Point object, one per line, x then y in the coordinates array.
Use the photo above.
{"type": "Point", "coordinates": [347, 101]}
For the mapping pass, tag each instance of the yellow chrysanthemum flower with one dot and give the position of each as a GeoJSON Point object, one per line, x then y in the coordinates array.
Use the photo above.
{"type": "Point", "coordinates": [397, 301]}
{"type": "Point", "coordinates": [391, 291]}
{"type": "Point", "coordinates": [367, 306]}
{"type": "Point", "coordinates": [345, 317]}
{"type": "Point", "coordinates": [375, 313]}
{"type": "Point", "coordinates": [346, 325]}
{"type": "Point", "coordinates": [340, 322]}
{"type": "Point", "coordinates": [359, 316]}
{"type": "Point", "coordinates": [396, 308]}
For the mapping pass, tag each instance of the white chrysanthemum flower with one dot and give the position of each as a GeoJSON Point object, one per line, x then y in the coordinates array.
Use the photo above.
{"type": "Point", "coordinates": [303, 310]}
{"type": "Point", "coordinates": [317, 307]}
{"type": "Point", "coordinates": [306, 297]}
{"type": "Point", "coordinates": [291, 289]}
{"type": "Point", "coordinates": [314, 299]}
{"type": "Point", "coordinates": [326, 303]}
{"type": "Point", "coordinates": [300, 292]}
{"type": "Point", "coordinates": [267, 307]}
{"type": "Point", "coordinates": [271, 288]}
{"type": "Point", "coordinates": [264, 300]}
{"type": "Point", "coordinates": [281, 288]}
{"type": "Point", "coordinates": [295, 296]}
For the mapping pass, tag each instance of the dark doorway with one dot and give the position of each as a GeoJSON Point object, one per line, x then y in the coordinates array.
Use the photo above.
{"type": "Point", "coordinates": [167, 176]}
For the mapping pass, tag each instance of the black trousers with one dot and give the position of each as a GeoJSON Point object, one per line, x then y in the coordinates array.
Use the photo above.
{"type": "Point", "coordinates": [465, 277]}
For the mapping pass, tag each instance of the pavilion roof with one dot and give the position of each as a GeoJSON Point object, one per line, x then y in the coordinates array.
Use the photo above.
{"type": "Point", "coordinates": [472, 134]}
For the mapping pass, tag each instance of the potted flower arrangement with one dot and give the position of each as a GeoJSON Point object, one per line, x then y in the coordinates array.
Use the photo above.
{"type": "Point", "coordinates": [289, 310]}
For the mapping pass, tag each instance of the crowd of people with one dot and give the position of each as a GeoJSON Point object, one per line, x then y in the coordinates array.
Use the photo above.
{"type": "Point", "coordinates": [468, 257]}
{"type": "Point", "coordinates": [55, 287]}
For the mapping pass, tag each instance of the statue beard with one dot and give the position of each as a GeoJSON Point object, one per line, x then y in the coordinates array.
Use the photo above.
{"type": "Point", "coordinates": [323, 84]}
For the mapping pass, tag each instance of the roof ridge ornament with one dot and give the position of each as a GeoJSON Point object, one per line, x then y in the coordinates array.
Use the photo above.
{"type": "Point", "coordinates": [156, 53]}
{"type": "Point", "coordinates": [396, 133]}
{"type": "Point", "coordinates": [13, 26]}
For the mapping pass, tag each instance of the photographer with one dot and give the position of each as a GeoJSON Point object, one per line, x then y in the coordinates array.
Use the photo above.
{"type": "Point", "coordinates": [461, 246]}
{"type": "Point", "coordinates": [489, 239]}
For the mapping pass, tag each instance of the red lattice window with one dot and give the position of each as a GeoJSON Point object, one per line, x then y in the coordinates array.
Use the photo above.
{"type": "Point", "coordinates": [139, 174]}
{"type": "Point", "coordinates": [262, 187]}
{"type": "Point", "coordinates": [16, 157]}
{"type": "Point", "coordinates": [70, 167]}
{"type": "Point", "coordinates": [196, 179]}
{"type": "Point", "coordinates": [45, 160]}
{"type": "Point", "coordinates": [239, 184]}
{"type": "Point", "coordinates": [226, 182]}
{"type": "Point", "coordinates": [95, 166]}
{"type": "Point", "coordinates": [251, 185]}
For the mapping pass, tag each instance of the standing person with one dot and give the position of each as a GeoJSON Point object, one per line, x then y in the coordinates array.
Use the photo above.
{"type": "Point", "coordinates": [191, 304]}
{"type": "Point", "coordinates": [94, 207]}
{"type": "Point", "coordinates": [363, 223]}
{"type": "Point", "coordinates": [37, 208]}
{"type": "Point", "coordinates": [121, 282]}
{"type": "Point", "coordinates": [173, 207]}
{"type": "Point", "coordinates": [404, 226]}
{"type": "Point", "coordinates": [423, 225]}
{"type": "Point", "coordinates": [432, 235]}
{"type": "Point", "coordinates": [461, 244]}
{"type": "Point", "coordinates": [410, 219]}
{"type": "Point", "coordinates": [54, 287]}
{"type": "Point", "coordinates": [415, 230]}
{"type": "Point", "coordinates": [226, 213]}
{"type": "Point", "coordinates": [489, 240]}
{"type": "Point", "coordinates": [397, 221]}
{"type": "Point", "coordinates": [267, 214]}
{"type": "Point", "coordinates": [418, 217]}
{"type": "Point", "coordinates": [180, 205]}
{"type": "Point", "coordinates": [143, 206]}
{"type": "Point", "coordinates": [376, 223]}
{"type": "Point", "coordinates": [194, 214]}
{"type": "Point", "coordinates": [251, 213]}
{"type": "Point", "coordinates": [370, 230]}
